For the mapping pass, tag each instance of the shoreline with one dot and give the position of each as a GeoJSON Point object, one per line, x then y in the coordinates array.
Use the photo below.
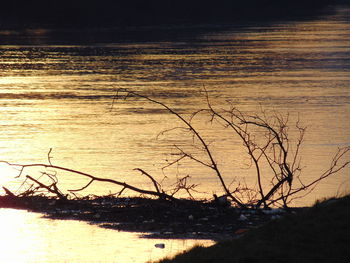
{"type": "Point", "coordinates": [154, 12]}
{"type": "Point", "coordinates": [317, 234]}
{"type": "Point", "coordinates": [154, 218]}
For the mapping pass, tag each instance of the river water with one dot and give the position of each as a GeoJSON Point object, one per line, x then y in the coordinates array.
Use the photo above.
{"type": "Point", "coordinates": [30, 238]}
{"type": "Point", "coordinates": [58, 88]}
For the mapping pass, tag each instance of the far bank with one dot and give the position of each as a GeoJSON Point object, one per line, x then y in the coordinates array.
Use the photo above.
{"type": "Point", "coordinates": [152, 12]}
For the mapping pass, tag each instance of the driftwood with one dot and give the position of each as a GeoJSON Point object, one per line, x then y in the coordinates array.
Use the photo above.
{"type": "Point", "coordinates": [265, 138]}
{"type": "Point", "coordinates": [8, 192]}
{"type": "Point", "coordinates": [53, 188]}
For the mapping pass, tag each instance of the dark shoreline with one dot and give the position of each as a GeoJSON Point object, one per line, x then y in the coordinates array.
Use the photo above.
{"type": "Point", "coordinates": [41, 33]}
{"type": "Point", "coordinates": [102, 13]}
{"type": "Point", "coordinates": [153, 217]}
{"type": "Point", "coordinates": [318, 234]}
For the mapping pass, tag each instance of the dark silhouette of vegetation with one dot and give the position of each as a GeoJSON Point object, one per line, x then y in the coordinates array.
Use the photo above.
{"type": "Point", "coordinates": [267, 143]}
{"type": "Point", "coordinates": [265, 138]}
{"type": "Point", "coordinates": [318, 234]}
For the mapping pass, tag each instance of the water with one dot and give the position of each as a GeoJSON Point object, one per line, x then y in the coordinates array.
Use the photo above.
{"type": "Point", "coordinates": [57, 91]}
{"type": "Point", "coordinates": [30, 238]}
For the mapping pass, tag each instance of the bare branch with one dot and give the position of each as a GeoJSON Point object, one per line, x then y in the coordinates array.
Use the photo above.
{"type": "Point", "coordinates": [94, 178]}
{"type": "Point", "coordinates": [82, 188]}
{"type": "Point", "coordinates": [196, 134]}
{"type": "Point", "coordinates": [155, 183]}
{"type": "Point", "coordinates": [49, 157]}
{"type": "Point", "coordinates": [51, 188]}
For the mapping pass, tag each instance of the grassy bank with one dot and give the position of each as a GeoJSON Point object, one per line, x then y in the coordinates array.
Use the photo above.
{"type": "Point", "coordinates": [319, 234]}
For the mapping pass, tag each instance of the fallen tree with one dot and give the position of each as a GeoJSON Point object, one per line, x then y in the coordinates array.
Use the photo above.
{"type": "Point", "coordinates": [264, 137]}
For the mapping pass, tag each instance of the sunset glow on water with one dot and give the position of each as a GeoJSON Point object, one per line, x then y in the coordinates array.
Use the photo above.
{"type": "Point", "coordinates": [60, 95]}
{"type": "Point", "coordinates": [30, 238]}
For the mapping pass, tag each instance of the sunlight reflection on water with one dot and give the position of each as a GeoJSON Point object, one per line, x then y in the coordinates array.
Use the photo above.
{"type": "Point", "coordinates": [59, 95]}
{"type": "Point", "coordinates": [29, 238]}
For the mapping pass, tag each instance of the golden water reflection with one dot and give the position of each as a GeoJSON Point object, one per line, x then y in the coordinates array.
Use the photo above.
{"type": "Point", "coordinates": [60, 96]}
{"type": "Point", "coordinates": [27, 238]}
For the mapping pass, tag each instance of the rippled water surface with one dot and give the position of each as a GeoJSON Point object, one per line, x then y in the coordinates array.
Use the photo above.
{"type": "Point", "coordinates": [57, 92]}
{"type": "Point", "coordinates": [58, 88]}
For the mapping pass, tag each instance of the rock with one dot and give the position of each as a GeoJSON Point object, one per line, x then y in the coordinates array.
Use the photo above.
{"type": "Point", "coordinates": [273, 211]}
{"type": "Point", "coordinates": [242, 218]}
{"type": "Point", "coordinates": [97, 216]}
{"type": "Point", "coordinates": [274, 217]}
{"type": "Point", "coordinates": [160, 245]}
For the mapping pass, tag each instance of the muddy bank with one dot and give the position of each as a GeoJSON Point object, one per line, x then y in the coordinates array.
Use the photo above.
{"type": "Point", "coordinates": [154, 218]}
{"type": "Point", "coordinates": [318, 234]}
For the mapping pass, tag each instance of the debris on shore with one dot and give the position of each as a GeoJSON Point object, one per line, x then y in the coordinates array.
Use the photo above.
{"type": "Point", "coordinates": [154, 218]}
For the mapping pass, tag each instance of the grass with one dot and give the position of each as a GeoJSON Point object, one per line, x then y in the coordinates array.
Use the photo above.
{"type": "Point", "coordinates": [318, 234]}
